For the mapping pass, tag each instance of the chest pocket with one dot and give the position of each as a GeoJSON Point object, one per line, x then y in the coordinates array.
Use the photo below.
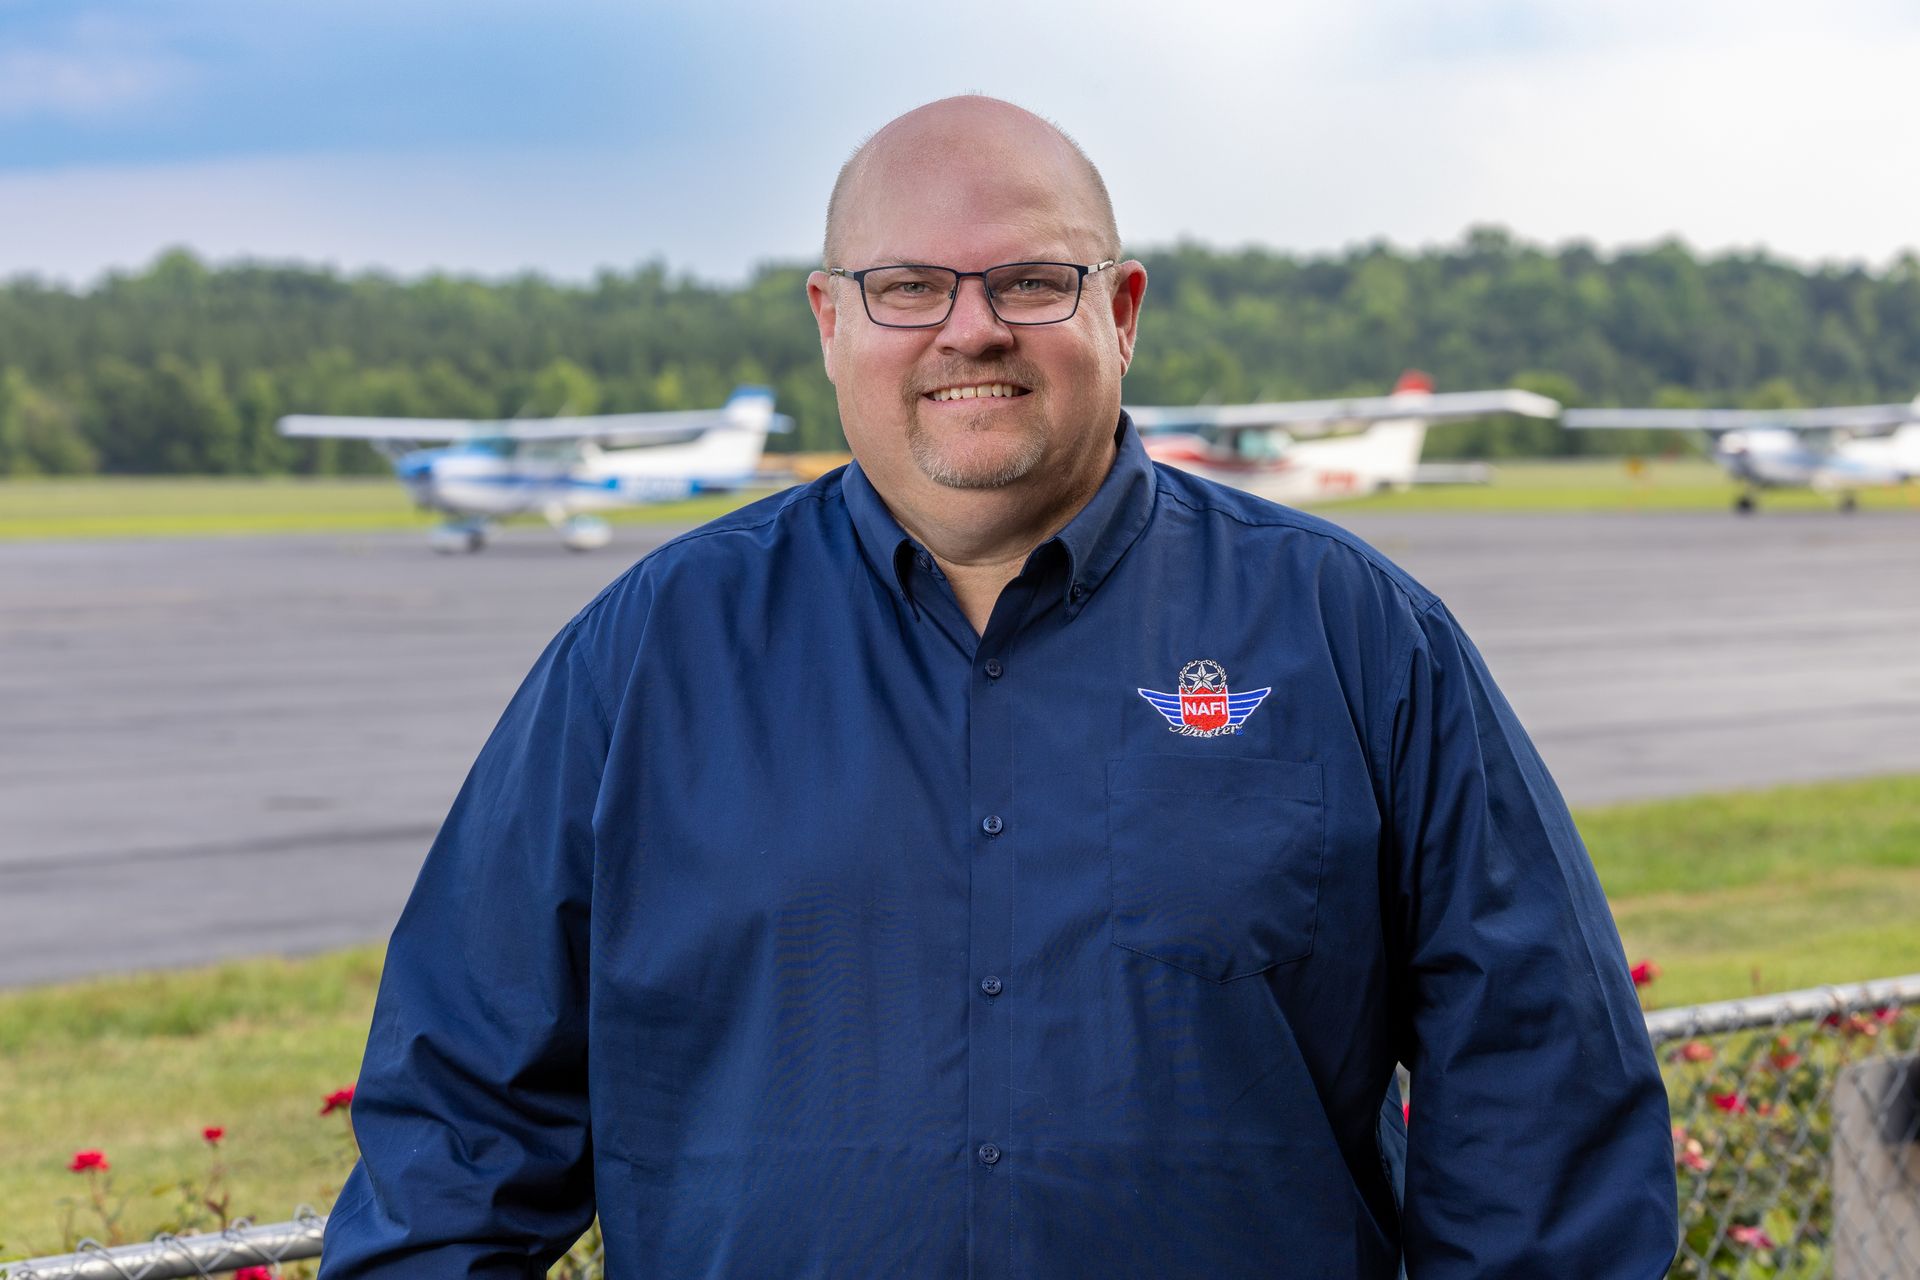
{"type": "Point", "coordinates": [1215, 863]}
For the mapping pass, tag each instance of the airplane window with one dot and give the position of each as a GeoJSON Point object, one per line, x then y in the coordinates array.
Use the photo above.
{"type": "Point", "coordinates": [1261, 446]}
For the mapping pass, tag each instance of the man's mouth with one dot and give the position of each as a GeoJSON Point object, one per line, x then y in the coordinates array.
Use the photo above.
{"type": "Point", "coordinates": [979, 391]}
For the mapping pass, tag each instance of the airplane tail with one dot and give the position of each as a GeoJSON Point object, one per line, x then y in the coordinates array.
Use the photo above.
{"type": "Point", "coordinates": [731, 453]}
{"type": "Point", "coordinates": [1394, 445]}
{"type": "Point", "coordinates": [1905, 447]}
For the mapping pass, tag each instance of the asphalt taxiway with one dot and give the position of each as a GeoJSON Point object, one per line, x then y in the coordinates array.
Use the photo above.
{"type": "Point", "coordinates": [219, 747]}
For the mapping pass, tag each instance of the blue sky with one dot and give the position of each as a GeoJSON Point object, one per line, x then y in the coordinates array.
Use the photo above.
{"type": "Point", "coordinates": [488, 137]}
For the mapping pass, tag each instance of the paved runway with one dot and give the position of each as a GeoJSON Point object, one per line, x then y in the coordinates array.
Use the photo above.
{"type": "Point", "coordinates": [227, 746]}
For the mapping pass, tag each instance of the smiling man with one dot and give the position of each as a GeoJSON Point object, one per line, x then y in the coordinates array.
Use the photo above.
{"type": "Point", "coordinates": [1005, 858]}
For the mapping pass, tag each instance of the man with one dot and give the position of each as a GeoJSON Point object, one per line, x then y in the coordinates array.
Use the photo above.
{"type": "Point", "coordinates": [1004, 857]}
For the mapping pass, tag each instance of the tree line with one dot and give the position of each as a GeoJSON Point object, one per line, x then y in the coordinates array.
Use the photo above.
{"type": "Point", "coordinates": [183, 367]}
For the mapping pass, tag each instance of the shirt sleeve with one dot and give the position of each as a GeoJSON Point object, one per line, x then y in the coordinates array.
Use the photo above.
{"type": "Point", "coordinates": [1538, 1143]}
{"type": "Point", "coordinates": [471, 1104]}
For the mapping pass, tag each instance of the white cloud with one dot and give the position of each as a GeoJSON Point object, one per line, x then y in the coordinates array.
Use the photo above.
{"type": "Point", "coordinates": [91, 67]}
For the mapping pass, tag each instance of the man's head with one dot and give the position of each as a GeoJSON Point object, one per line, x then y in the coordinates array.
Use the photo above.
{"type": "Point", "coordinates": [972, 183]}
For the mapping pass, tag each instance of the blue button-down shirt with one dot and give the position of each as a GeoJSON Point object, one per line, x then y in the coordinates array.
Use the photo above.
{"type": "Point", "coordinates": [803, 932]}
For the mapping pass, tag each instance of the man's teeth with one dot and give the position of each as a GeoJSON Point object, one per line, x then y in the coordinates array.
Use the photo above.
{"type": "Point", "coordinates": [977, 393]}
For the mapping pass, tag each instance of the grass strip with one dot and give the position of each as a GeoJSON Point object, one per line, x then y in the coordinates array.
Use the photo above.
{"type": "Point", "coordinates": [125, 507]}
{"type": "Point", "coordinates": [143, 507]}
{"type": "Point", "coordinates": [1775, 890]}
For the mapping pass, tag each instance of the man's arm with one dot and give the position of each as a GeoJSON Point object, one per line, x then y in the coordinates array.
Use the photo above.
{"type": "Point", "coordinates": [471, 1105]}
{"type": "Point", "coordinates": [1539, 1142]}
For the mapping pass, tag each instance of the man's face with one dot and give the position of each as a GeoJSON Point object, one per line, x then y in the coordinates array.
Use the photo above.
{"type": "Point", "coordinates": [970, 209]}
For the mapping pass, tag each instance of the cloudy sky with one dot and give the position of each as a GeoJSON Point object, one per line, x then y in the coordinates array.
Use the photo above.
{"type": "Point", "coordinates": [487, 137]}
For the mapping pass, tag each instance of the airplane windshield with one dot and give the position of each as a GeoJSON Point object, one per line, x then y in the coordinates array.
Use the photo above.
{"type": "Point", "coordinates": [1262, 446]}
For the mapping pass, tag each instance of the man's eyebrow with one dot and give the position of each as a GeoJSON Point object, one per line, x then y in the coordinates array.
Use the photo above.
{"type": "Point", "coordinates": [890, 258]}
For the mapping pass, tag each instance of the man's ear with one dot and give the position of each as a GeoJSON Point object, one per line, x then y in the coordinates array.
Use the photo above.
{"type": "Point", "coordinates": [1129, 287]}
{"type": "Point", "coordinates": [825, 315]}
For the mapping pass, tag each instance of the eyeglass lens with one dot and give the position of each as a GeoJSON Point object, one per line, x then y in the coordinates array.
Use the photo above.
{"type": "Point", "coordinates": [1021, 293]}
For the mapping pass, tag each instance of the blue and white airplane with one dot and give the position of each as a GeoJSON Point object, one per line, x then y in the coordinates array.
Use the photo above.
{"type": "Point", "coordinates": [563, 469]}
{"type": "Point", "coordinates": [1837, 450]}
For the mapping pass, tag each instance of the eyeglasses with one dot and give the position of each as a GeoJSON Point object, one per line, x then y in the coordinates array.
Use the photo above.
{"type": "Point", "coordinates": [919, 297]}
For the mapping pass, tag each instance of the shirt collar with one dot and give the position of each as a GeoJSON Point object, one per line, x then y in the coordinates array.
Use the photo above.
{"type": "Point", "coordinates": [1093, 541]}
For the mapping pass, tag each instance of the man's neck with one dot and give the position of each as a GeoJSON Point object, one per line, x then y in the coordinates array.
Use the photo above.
{"type": "Point", "coordinates": [982, 538]}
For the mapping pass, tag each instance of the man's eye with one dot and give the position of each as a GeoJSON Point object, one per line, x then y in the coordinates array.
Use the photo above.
{"type": "Point", "coordinates": [1030, 287]}
{"type": "Point", "coordinates": [908, 289]}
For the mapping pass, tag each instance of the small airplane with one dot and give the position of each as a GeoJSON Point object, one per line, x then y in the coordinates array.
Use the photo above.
{"type": "Point", "coordinates": [562, 468]}
{"type": "Point", "coordinates": [1257, 447]}
{"type": "Point", "coordinates": [1838, 450]}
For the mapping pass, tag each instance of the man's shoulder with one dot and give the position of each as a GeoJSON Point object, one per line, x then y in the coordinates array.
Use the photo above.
{"type": "Point", "coordinates": [1264, 527]}
{"type": "Point", "coordinates": [794, 512]}
{"type": "Point", "coordinates": [742, 542]}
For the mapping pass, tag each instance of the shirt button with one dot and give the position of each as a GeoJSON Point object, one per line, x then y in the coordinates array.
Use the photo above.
{"type": "Point", "coordinates": [989, 1154]}
{"type": "Point", "coordinates": [1079, 592]}
{"type": "Point", "coordinates": [992, 825]}
{"type": "Point", "coordinates": [994, 669]}
{"type": "Point", "coordinates": [990, 985]}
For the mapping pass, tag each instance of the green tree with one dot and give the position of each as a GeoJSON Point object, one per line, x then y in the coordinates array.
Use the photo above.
{"type": "Point", "coordinates": [39, 434]}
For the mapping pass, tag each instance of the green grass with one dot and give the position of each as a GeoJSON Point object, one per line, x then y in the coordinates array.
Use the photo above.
{"type": "Point", "coordinates": [122, 507]}
{"type": "Point", "coordinates": [138, 1066]}
{"type": "Point", "coordinates": [1800, 885]}
{"type": "Point", "coordinates": [165, 506]}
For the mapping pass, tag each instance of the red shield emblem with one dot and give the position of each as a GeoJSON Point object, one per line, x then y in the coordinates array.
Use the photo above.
{"type": "Point", "coordinates": [1204, 709]}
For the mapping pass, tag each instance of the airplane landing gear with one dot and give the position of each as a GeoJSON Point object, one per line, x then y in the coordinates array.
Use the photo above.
{"type": "Point", "coordinates": [1745, 504]}
{"type": "Point", "coordinates": [1849, 503]}
{"type": "Point", "coordinates": [452, 539]}
{"type": "Point", "coordinates": [586, 533]}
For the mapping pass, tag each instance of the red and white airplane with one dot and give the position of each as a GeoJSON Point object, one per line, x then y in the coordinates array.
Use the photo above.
{"type": "Point", "coordinates": [1364, 445]}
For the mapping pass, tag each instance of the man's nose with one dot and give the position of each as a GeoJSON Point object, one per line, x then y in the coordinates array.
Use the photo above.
{"type": "Point", "coordinates": [972, 327]}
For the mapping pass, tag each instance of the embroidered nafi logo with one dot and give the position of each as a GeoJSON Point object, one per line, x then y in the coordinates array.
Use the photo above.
{"type": "Point", "coordinates": [1204, 708]}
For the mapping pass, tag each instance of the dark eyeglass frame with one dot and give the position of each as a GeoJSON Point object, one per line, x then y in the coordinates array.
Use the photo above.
{"type": "Point", "coordinates": [859, 278]}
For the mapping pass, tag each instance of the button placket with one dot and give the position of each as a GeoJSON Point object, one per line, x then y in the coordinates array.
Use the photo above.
{"type": "Point", "coordinates": [992, 796]}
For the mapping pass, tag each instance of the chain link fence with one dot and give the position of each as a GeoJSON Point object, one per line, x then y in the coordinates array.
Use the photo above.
{"type": "Point", "coordinates": [1795, 1132]}
{"type": "Point", "coordinates": [1796, 1142]}
{"type": "Point", "coordinates": [165, 1257]}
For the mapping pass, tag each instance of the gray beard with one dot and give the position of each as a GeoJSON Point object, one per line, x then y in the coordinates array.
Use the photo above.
{"type": "Point", "coordinates": [928, 456]}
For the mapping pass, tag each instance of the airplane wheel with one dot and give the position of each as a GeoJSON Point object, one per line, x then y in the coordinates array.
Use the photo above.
{"type": "Point", "coordinates": [586, 533]}
{"type": "Point", "coordinates": [450, 540]}
{"type": "Point", "coordinates": [1849, 503]}
{"type": "Point", "coordinates": [1744, 504]}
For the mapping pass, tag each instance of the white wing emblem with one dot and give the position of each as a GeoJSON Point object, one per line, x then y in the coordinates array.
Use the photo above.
{"type": "Point", "coordinates": [1204, 707]}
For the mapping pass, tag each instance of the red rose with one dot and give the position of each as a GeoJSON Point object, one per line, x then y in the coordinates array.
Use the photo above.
{"type": "Point", "coordinates": [1752, 1237]}
{"type": "Point", "coordinates": [1694, 1051]}
{"type": "Point", "coordinates": [338, 1100]}
{"type": "Point", "coordinates": [1783, 1057]}
{"type": "Point", "coordinates": [253, 1273]}
{"type": "Point", "coordinates": [83, 1161]}
{"type": "Point", "coordinates": [213, 1134]}
{"type": "Point", "coordinates": [1644, 972]}
{"type": "Point", "coordinates": [1731, 1103]}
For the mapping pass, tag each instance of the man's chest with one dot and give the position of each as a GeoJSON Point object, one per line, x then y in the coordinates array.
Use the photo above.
{"type": "Point", "coordinates": [1190, 790]}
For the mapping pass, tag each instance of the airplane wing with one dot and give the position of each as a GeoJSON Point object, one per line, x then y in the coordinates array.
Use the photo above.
{"type": "Point", "coordinates": [1868, 418]}
{"type": "Point", "coordinates": [637, 428]}
{"type": "Point", "coordinates": [315, 425]}
{"type": "Point", "coordinates": [1301, 417]}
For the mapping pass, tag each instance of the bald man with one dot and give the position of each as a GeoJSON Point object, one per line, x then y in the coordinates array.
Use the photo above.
{"type": "Point", "coordinates": [1003, 857]}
